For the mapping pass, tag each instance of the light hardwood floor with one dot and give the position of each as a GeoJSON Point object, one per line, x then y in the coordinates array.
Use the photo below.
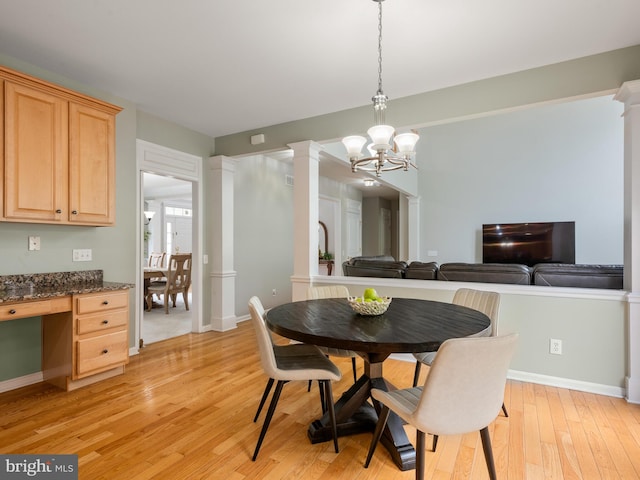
{"type": "Point", "coordinates": [184, 410]}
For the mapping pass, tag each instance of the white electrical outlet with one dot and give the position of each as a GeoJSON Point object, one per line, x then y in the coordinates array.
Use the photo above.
{"type": "Point", "coordinates": [274, 292]}
{"type": "Point", "coordinates": [82, 255]}
{"type": "Point", "coordinates": [34, 243]}
{"type": "Point", "coordinates": [555, 346]}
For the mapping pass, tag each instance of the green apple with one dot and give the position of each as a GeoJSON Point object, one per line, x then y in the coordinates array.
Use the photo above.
{"type": "Point", "coordinates": [370, 293]}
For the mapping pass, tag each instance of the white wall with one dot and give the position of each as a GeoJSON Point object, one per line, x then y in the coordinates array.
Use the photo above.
{"type": "Point", "coordinates": [561, 162]}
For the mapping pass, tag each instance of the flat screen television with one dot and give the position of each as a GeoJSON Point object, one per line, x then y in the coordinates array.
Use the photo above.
{"type": "Point", "coordinates": [529, 243]}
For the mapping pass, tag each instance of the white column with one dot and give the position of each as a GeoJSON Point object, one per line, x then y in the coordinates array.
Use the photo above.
{"type": "Point", "coordinates": [629, 94]}
{"type": "Point", "coordinates": [223, 275]}
{"type": "Point", "coordinates": [413, 229]}
{"type": "Point", "coordinates": [306, 166]}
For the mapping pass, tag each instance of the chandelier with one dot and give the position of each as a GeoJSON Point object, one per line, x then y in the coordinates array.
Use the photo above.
{"type": "Point", "coordinates": [382, 157]}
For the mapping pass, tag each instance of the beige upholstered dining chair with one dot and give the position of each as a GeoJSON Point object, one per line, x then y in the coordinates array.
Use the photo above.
{"type": "Point", "coordinates": [462, 393]}
{"type": "Point", "coordinates": [485, 302]}
{"type": "Point", "coordinates": [178, 280]}
{"type": "Point", "coordinates": [286, 363]}
{"type": "Point", "coordinates": [334, 291]}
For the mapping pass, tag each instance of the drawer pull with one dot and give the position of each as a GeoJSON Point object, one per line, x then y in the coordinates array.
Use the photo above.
{"type": "Point", "coordinates": [106, 302]}
{"type": "Point", "coordinates": [58, 211]}
{"type": "Point", "coordinates": [74, 212]}
{"type": "Point", "coordinates": [105, 351]}
{"type": "Point", "coordinates": [104, 322]}
{"type": "Point", "coordinates": [12, 311]}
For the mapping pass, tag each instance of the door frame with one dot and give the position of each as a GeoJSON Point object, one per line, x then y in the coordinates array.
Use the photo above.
{"type": "Point", "coordinates": [160, 160]}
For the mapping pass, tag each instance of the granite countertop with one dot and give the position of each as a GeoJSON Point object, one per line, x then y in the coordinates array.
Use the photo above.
{"type": "Point", "coordinates": [18, 288]}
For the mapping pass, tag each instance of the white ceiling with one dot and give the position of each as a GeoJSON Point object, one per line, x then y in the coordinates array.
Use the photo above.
{"type": "Point", "coordinates": [225, 66]}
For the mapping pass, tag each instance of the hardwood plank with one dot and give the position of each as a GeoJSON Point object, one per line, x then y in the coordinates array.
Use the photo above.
{"type": "Point", "coordinates": [184, 410]}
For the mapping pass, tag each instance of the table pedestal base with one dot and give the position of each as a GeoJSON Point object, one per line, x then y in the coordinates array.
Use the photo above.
{"type": "Point", "coordinates": [354, 414]}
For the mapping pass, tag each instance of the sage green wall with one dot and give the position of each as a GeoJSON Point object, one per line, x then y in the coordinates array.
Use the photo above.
{"type": "Point", "coordinates": [584, 76]}
{"type": "Point", "coordinates": [113, 248]}
{"type": "Point", "coordinates": [592, 328]}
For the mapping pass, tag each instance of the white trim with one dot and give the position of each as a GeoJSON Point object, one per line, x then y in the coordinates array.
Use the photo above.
{"type": "Point", "coordinates": [23, 381]}
{"type": "Point", "coordinates": [549, 380]}
{"type": "Point", "coordinates": [162, 160]}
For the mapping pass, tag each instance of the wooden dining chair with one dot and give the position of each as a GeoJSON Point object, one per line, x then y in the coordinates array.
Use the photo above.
{"type": "Point", "coordinates": [463, 393]}
{"type": "Point", "coordinates": [286, 363]}
{"type": "Point", "coordinates": [178, 281]}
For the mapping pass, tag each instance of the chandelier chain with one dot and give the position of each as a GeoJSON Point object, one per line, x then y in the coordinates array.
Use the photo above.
{"type": "Point", "coordinates": [380, 47]}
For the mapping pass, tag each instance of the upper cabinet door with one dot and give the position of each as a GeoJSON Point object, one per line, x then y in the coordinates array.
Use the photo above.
{"type": "Point", "coordinates": [91, 166]}
{"type": "Point", "coordinates": [36, 149]}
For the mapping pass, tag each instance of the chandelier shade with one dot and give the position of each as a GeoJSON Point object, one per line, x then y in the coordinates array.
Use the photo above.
{"type": "Point", "coordinates": [382, 156]}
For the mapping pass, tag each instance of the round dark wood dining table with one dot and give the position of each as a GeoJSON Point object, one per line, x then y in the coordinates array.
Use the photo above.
{"type": "Point", "coordinates": [408, 326]}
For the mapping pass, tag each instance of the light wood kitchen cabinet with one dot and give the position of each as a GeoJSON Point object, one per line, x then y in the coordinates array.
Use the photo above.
{"type": "Point", "coordinates": [87, 344]}
{"type": "Point", "coordinates": [101, 332]}
{"type": "Point", "coordinates": [59, 154]}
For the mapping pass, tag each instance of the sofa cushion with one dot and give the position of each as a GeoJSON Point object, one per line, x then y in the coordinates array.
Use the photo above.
{"type": "Point", "coordinates": [422, 270]}
{"type": "Point", "coordinates": [582, 276]}
{"type": "Point", "coordinates": [485, 272]}
{"type": "Point", "coordinates": [378, 266]}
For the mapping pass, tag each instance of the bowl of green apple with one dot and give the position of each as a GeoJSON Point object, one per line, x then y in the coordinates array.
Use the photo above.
{"type": "Point", "coordinates": [370, 303]}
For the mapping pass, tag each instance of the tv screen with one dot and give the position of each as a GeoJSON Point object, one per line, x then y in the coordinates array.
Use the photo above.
{"type": "Point", "coordinates": [529, 243]}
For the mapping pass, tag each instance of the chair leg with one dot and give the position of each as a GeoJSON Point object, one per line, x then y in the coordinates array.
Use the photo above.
{"type": "Point", "coordinates": [377, 434]}
{"type": "Point", "coordinates": [504, 410]}
{"type": "Point", "coordinates": [420, 447]}
{"type": "Point", "coordinates": [435, 443]}
{"type": "Point", "coordinates": [309, 386]}
{"type": "Point", "coordinates": [267, 420]}
{"type": "Point", "coordinates": [185, 297]}
{"type": "Point", "coordinates": [353, 366]}
{"type": "Point", "coordinates": [332, 413]}
{"type": "Point", "coordinates": [323, 399]}
{"type": "Point", "coordinates": [488, 452]}
{"type": "Point", "coordinates": [416, 374]}
{"type": "Point", "coordinates": [166, 303]}
{"type": "Point", "coordinates": [267, 389]}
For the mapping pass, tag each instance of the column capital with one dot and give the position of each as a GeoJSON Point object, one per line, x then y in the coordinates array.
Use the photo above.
{"type": "Point", "coordinates": [629, 93]}
{"type": "Point", "coordinates": [306, 147]}
{"type": "Point", "coordinates": [222, 162]}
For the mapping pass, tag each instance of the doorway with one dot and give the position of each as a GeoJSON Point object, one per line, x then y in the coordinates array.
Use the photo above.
{"type": "Point", "coordinates": [171, 171]}
{"type": "Point", "coordinates": [168, 231]}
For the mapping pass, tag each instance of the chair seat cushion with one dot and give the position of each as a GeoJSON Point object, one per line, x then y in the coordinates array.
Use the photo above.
{"type": "Point", "coordinates": [300, 361]}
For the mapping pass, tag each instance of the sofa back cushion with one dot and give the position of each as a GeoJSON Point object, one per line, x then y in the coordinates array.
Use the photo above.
{"type": "Point", "coordinates": [485, 272]}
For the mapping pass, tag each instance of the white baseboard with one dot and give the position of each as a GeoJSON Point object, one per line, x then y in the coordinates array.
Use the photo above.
{"type": "Point", "coordinates": [23, 381]}
{"type": "Point", "coordinates": [568, 383]}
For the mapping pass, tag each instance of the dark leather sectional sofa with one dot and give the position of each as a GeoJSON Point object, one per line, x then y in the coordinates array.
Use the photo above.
{"type": "Point", "coordinates": [548, 274]}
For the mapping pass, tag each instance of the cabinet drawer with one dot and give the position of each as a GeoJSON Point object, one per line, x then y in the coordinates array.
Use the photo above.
{"type": "Point", "coordinates": [102, 301]}
{"type": "Point", "coordinates": [101, 353]}
{"type": "Point", "coordinates": [102, 321]}
{"type": "Point", "coordinates": [35, 308]}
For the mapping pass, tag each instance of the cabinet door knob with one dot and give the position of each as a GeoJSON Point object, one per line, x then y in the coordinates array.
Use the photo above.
{"type": "Point", "coordinates": [74, 212]}
{"type": "Point", "coordinates": [105, 351]}
{"type": "Point", "coordinates": [58, 211]}
{"type": "Point", "coordinates": [12, 311]}
{"type": "Point", "coordinates": [104, 322]}
{"type": "Point", "coordinates": [106, 302]}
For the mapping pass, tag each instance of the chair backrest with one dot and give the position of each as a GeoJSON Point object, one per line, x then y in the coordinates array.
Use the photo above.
{"type": "Point", "coordinates": [265, 342]}
{"type": "Point", "coordinates": [179, 272]}
{"type": "Point", "coordinates": [485, 302]}
{"type": "Point", "coordinates": [157, 259]}
{"type": "Point", "coordinates": [329, 291]}
{"type": "Point", "coordinates": [464, 390]}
